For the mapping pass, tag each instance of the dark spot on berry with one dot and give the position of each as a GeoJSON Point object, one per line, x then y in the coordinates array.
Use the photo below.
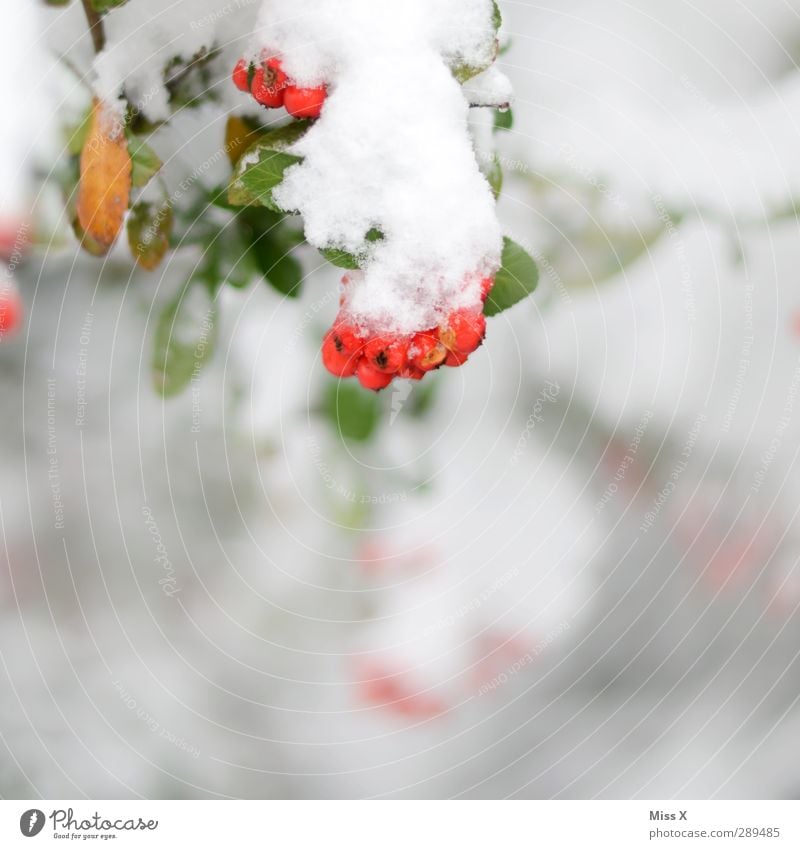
{"type": "Point", "coordinates": [337, 341]}
{"type": "Point", "coordinates": [381, 361]}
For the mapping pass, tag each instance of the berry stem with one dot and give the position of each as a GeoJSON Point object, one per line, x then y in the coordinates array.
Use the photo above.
{"type": "Point", "coordinates": [95, 21]}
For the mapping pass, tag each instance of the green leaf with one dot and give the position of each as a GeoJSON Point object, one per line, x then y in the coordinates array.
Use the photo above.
{"type": "Point", "coordinates": [464, 73]}
{"type": "Point", "coordinates": [341, 259]}
{"type": "Point", "coordinates": [497, 16]}
{"type": "Point", "coordinates": [259, 170]}
{"type": "Point", "coordinates": [76, 134]}
{"type": "Point", "coordinates": [516, 279]}
{"type": "Point", "coordinates": [144, 161]}
{"type": "Point", "coordinates": [185, 337]}
{"type": "Point", "coordinates": [282, 137]}
{"type": "Point", "coordinates": [353, 413]}
{"type": "Point", "coordinates": [105, 5]}
{"type": "Point", "coordinates": [269, 239]}
{"type": "Point", "coordinates": [344, 259]}
{"type": "Point", "coordinates": [493, 171]}
{"type": "Point", "coordinates": [284, 274]}
{"type": "Point", "coordinates": [149, 228]}
{"type": "Point", "coordinates": [503, 119]}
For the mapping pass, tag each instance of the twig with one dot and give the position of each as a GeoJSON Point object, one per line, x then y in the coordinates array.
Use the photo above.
{"type": "Point", "coordinates": [95, 21]}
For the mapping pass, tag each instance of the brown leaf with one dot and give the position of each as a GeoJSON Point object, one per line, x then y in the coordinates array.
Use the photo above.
{"type": "Point", "coordinates": [238, 137]}
{"type": "Point", "coordinates": [105, 182]}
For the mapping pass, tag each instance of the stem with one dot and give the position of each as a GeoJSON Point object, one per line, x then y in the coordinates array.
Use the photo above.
{"type": "Point", "coordinates": [95, 21]}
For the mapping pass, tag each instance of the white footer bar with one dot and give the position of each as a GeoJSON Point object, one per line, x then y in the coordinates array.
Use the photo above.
{"type": "Point", "coordinates": [403, 825]}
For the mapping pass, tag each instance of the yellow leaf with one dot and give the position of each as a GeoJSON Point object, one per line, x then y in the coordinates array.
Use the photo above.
{"type": "Point", "coordinates": [105, 182]}
{"type": "Point", "coordinates": [238, 137]}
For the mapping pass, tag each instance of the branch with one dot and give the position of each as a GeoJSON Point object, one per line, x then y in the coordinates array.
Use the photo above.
{"type": "Point", "coordinates": [95, 21]}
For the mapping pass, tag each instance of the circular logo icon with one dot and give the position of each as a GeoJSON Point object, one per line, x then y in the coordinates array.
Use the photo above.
{"type": "Point", "coordinates": [31, 822]}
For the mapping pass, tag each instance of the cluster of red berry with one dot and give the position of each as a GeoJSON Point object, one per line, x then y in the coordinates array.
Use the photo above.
{"type": "Point", "coordinates": [270, 86]}
{"type": "Point", "coordinates": [377, 360]}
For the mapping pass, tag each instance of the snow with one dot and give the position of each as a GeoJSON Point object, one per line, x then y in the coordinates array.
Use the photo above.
{"type": "Point", "coordinates": [489, 88]}
{"type": "Point", "coordinates": [23, 107]}
{"type": "Point", "coordinates": [392, 150]}
{"type": "Point", "coordinates": [142, 38]}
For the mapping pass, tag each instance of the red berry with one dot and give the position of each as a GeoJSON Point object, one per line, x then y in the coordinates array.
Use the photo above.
{"type": "Point", "coordinates": [467, 331]}
{"type": "Point", "coordinates": [455, 359]}
{"type": "Point", "coordinates": [447, 335]}
{"type": "Point", "coordinates": [486, 287]}
{"type": "Point", "coordinates": [241, 75]}
{"type": "Point", "coordinates": [386, 353]}
{"type": "Point", "coordinates": [265, 91]}
{"type": "Point", "coordinates": [10, 311]}
{"type": "Point", "coordinates": [339, 362]}
{"type": "Point", "coordinates": [411, 372]}
{"type": "Point", "coordinates": [347, 338]}
{"type": "Point", "coordinates": [371, 378]}
{"type": "Point", "coordinates": [275, 75]}
{"type": "Point", "coordinates": [304, 102]}
{"type": "Point", "coordinates": [426, 352]}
